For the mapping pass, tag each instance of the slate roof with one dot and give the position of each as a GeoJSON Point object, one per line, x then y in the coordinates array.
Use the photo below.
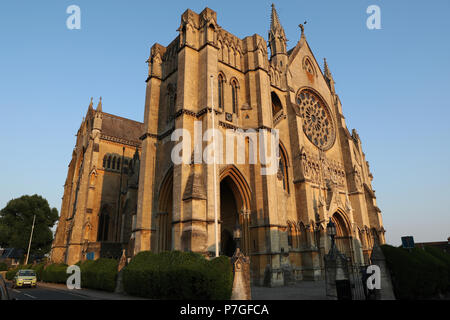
{"type": "Point", "coordinates": [122, 128]}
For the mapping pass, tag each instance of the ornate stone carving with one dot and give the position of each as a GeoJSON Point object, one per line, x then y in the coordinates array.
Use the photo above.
{"type": "Point", "coordinates": [312, 165]}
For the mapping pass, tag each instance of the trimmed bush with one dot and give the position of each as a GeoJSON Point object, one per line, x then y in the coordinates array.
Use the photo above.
{"type": "Point", "coordinates": [178, 275]}
{"type": "Point", "coordinates": [416, 274]}
{"type": "Point", "coordinates": [223, 270]}
{"type": "Point", "coordinates": [11, 273]}
{"type": "Point", "coordinates": [39, 268]}
{"type": "Point", "coordinates": [100, 274]}
{"type": "Point", "coordinates": [445, 259]}
{"type": "Point", "coordinates": [55, 273]}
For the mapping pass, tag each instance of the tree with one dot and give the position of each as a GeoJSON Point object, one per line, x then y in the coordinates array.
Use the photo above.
{"type": "Point", "coordinates": [16, 220]}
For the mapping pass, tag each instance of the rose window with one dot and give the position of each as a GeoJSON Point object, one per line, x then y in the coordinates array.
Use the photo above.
{"type": "Point", "coordinates": [317, 123]}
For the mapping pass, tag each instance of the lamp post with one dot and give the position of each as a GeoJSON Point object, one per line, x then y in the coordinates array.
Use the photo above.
{"type": "Point", "coordinates": [331, 230]}
{"type": "Point", "coordinates": [31, 237]}
{"type": "Point", "coordinates": [237, 235]}
{"type": "Point", "coordinates": [216, 216]}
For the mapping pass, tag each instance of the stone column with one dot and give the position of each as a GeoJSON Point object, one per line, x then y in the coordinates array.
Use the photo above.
{"type": "Point", "coordinates": [119, 281]}
{"type": "Point", "coordinates": [241, 280]}
{"type": "Point", "coordinates": [336, 269]}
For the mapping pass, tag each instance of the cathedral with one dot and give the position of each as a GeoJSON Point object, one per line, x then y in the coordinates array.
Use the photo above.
{"type": "Point", "coordinates": [124, 192]}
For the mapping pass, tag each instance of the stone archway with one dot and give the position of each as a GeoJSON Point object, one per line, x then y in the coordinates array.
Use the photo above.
{"type": "Point", "coordinates": [234, 208]}
{"type": "Point", "coordinates": [343, 234]}
{"type": "Point", "coordinates": [229, 217]}
{"type": "Point", "coordinates": [164, 218]}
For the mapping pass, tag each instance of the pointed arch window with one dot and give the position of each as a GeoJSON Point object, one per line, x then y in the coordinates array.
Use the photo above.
{"type": "Point", "coordinates": [283, 169]}
{"type": "Point", "coordinates": [290, 233]}
{"type": "Point", "coordinates": [109, 162]}
{"type": "Point", "coordinates": [234, 96]}
{"type": "Point", "coordinates": [103, 226]}
{"type": "Point", "coordinates": [220, 83]}
{"type": "Point", "coordinates": [276, 104]}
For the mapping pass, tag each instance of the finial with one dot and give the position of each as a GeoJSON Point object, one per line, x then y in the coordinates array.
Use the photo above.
{"type": "Point", "coordinates": [90, 104]}
{"type": "Point", "coordinates": [326, 70]}
{"type": "Point", "coordinates": [302, 27]}
{"type": "Point", "coordinates": [99, 106]}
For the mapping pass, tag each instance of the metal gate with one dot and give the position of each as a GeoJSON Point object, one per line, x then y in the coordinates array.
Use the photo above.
{"type": "Point", "coordinates": [357, 274]}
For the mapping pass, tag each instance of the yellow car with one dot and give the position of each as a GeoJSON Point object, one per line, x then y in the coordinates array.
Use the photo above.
{"type": "Point", "coordinates": [25, 277]}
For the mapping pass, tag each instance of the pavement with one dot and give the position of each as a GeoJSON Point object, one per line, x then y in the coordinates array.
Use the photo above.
{"type": "Point", "coordinates": [304, 290]}
{"type": "Point", "coordinates": [54, 291]}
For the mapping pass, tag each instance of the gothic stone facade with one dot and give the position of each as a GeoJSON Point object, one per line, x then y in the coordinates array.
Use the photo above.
{"type": "Point", "coordinates": [158, 205]}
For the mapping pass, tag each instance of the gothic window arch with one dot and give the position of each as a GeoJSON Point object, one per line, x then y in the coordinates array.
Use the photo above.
{"type": "Point", "coordinates": [114, 163]}
{"type": "Point", "coordinates": [283, 168]}
{"type": "Point", "coordinates": [109, 162]}
{"type": "Point", "coordinates": [290, 235]}
{"type": "Point", "coordinates": [238, 59]}
{"type": "Point", "coordinates": [103, 225]}
{"type": "Point", "coordinates": [234, 96]}
{"type": "Point", "coordinates": [309, 67]}
{"type": "Point", "coordinates": [118, 164]}
{"type": "Point", "coordinates": [105, 159]}
{"type": "Point", "coordinates": [171, 101]}
{"type": "Point", "coordinates": [219, 44]}
{"type": "Point", "coordinates": [220, 85]}
{"type": "Point", "coordinates": [276, 104]}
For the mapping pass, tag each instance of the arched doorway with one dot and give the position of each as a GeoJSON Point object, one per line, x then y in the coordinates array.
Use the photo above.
{"type": "Point", "coordinates": [165, 205]}
{"type": "Point", "coordinates": [234, 209]}
{"type": "Point", "coordinates": [343, 234]}
{"type": "Point", "coordinates": [229, 217]}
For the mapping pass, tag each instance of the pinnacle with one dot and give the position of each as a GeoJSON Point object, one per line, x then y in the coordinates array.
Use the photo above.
{"type": "Point", "coordinates": [275, 25]}
{"type": "Point", "coordinates": [99, 106]}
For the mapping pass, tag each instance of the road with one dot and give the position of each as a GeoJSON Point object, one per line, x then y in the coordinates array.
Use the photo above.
{"type": "Point", "coordinates": [44, 293]}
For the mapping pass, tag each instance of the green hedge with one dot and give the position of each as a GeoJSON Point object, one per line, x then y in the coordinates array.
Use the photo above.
{"type": "Point", "coordinates": [3, 266]}
{"type": "Point", "coordinates": [11, 273]}
{"type": "Point", "coordinates": [419, 273]}
{"type": "Point", "coordinates": [39, 268]}
{"type": "Point", "coordinates": [445, 259]}
{"type": "Point", "coordinates": [55, 273]}
{"type": "Point", "coordinates": [100, 274]}
{"type": "Point", "coordinates": [178, 275]}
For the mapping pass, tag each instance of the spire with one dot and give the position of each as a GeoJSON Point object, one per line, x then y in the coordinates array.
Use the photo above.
{"type": "Point", "coordinates": [275, 25]}
{"type": "Point", "coordinates": [99, 106]}
{"type": "Point", "coordinates": [90, 105]}
{"type": "Point", "coordinates": [328, 76]}
{"type": "Point", "coordinates": [277, 37]}
{"type": "Point", "coordinates": [276, 30]}
{"type": "Point", "coordinates": [326, 70]}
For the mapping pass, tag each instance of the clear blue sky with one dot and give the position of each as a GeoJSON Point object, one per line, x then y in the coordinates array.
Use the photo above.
{"type": "Point", "coordinates": [393, 84]}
